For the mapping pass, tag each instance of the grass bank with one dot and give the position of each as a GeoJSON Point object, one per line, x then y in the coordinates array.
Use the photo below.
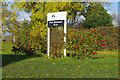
{"type": "Point", "coordinates": [21, 66]}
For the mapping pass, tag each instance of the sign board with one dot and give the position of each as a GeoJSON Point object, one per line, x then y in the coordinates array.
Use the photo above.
{"type": "Point", "coordinates": [57, 16]}
{"type": "Point", "coordinates": [56, 19]}
{"type": "Point", "coordinates": [55, 23]}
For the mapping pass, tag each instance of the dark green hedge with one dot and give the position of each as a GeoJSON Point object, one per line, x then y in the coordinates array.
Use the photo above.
{"type": "Point", "coordinates": [111, 37]}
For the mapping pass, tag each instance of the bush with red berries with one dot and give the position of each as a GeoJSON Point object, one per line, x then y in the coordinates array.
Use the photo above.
{"type": "Point", "coordinates": [31, 44]}
{"type": "Point", "coordinates": [84, 45]}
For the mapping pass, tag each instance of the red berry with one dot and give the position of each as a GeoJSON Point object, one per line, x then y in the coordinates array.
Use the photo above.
{"type": "Point", "coordinates": [94, 30]}
{"type": "Point", "coordinates": [103, 44]}
{"type": "Point", "coordinates": [28, 48]}
{"type": "Point", "coordinates": [80, 41]}
{"type": "Point", "coordinates": [74, 47]}
{"type": "Point", "coordinates": [77, 47]}
{"type": "Point", "coordinates": [87, 36]}
{"type": "Point", "coordinates": [99, 40]}
{"type": "Point", "coordinates": [27, 33]}
{"type": "Point", "coordinates": [91, 32]}
{"type": "Point", "coordinates": [74, 35]}
{"type": "Point", "coordinates": [41, 45]}
{"type": "Point", "coordinates": [36, 40]}
{"type": "Point", "coordinates": [94, 53]}
{"type": "Point", "coordinates": [103, 33]}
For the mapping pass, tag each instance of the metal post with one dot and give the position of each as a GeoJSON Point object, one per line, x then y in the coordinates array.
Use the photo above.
{"type": "Point", "coordinates": [48, 41]}
{"type": "Point", "coordinates": [65, 31]}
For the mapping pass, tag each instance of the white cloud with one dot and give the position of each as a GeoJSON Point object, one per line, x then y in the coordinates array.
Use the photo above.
{"type": "Point", "coordinates": [23, 16]}
{"type": "Point", "coordinates": [116, 17]}
{"type": "Point", "coordinates": [115, 23]}
{"type": "Point", "coordinates": [109, 12]}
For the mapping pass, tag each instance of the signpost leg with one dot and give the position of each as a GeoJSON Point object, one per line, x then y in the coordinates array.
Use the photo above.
{"type": "Point", "coordinates": [48, 41]}
{"type": "Point", "coordinates": [65, 31]}
{"type": "Point", "coordinates": [14, 39]}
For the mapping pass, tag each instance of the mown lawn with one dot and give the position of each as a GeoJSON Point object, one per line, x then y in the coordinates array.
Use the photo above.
{"type": "Point", "coordinates": [20, 66]}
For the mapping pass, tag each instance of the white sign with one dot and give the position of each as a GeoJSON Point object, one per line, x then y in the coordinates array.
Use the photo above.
{"type": "Point", "coordinates": [57, 16]}
{"type": "Point", "coordinates": [56, 19]}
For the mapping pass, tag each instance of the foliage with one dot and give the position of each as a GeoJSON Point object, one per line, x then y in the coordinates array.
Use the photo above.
{"type": "Point", "coordinates": [38, 17]}
{"type": "Point", "coordinates": [9, 20]}
{"type": "Point", "coordinates": [97, 16]}
{"type": "Point", "coordinates": [39, 12]}
{"type": "Point", "coordinates": [85, 45]}
{"type": "Point", "coordinates": [28, 44]}
{"type": "Point", "coordinates": [111, 37]}
{"type": "Point", "coordinates": [28, 41]}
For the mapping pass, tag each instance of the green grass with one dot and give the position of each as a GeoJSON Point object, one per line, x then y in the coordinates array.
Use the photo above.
{"type": "Point", "coordinates": [20, 66]}
{"type": "Point", "coordinates": [6, 47]}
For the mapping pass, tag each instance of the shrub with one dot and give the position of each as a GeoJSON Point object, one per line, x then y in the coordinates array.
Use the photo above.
{"type": "Point", "coordinates": [111, 38]}
{"type": "Point", "coordinates": [81, 43]}
{"type": "Point", "coordinates": [84, 45]}
{"type": "Point", "coordinates": [29, 44]}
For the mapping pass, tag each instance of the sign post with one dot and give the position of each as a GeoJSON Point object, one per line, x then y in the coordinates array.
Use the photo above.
{"type": "Point", "coordinates": [56, 19]}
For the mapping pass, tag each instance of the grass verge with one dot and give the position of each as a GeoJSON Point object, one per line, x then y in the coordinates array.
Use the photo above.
{"type": "Point", "coordinates": [20, 66]}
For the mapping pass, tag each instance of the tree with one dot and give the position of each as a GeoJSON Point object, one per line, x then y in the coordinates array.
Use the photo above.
{"type": "Point", "coordinates": [39, 12]}
{"type": "Point", "coordinates": [26, 27]}
{"type": "Point", "coordinates": [97, 16]}
{"type": "Point", "coordinates": [9, 20]}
